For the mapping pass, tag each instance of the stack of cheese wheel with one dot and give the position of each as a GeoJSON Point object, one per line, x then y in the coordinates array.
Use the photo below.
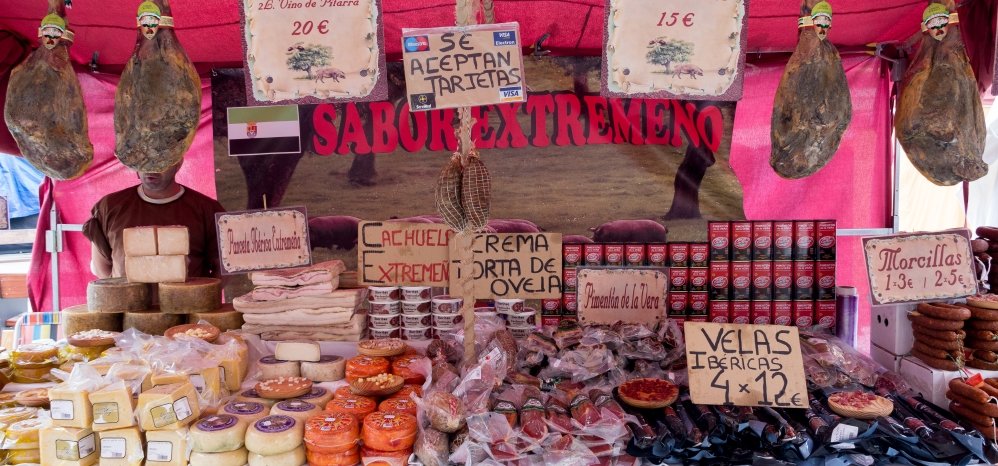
{"type": "Point", "coordinates": [301, 359]}
{"type": "Point", "coordinates": [982, 333]}
{"type": "Point", "coordinates": [247, 412]}
{"type": "Point", "coordinates": [359, 406]}
{"type": "Point", "coordinates": [22, 440]}
{"type": "Point", "coordinates": [33, 363]}
{"type": "Point", "coordinates": [217, 440]}
{"type": "Point", "coordinates": [76, 319]}
{"type": "Point", "coordinates": [107, 300]}
{"type": "Point", "coordinates": [388, 437]}
{"type": "Point", "coordinates": [365, 366]}
{"type": "Point", "coordinates": [939, 334]}
{"type": "Point", "coordinates": [331, 439]}
{"type": "Point", "coordinates": [276, 439]}
{"type": "Point", "coordinates": [195, 295]}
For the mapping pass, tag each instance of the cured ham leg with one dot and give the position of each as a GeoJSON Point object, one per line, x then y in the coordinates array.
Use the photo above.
{"type": "Point", "coordinates": [158, 102]}
{"type": "Point", "coordinates": [812, 107]}
{"type": "Point", "coordinates": [940, 119]}
{"type": "Point", "coordinates": [44, 110]}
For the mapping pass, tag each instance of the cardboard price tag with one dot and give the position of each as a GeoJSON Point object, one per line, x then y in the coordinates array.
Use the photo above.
{"type": "Point", "coordinates": [920, 267]}
{"type": "Point", "coordinates": [630, 295]}
{"type": "Point", "coordinates": [263, 239]}
{"type": "Point", "coordinates": [398, 253]}
{"type": "Point", "coordinates": [512, 265]}
{"type": "Point", "coordinates": [745, 365]}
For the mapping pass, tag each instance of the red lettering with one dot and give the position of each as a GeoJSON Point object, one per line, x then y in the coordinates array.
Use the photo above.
{"type": "Point", "coordinates": [412, 140]}
{"type": "Point", "coordinates": [538, 107]}
{"type": "Point", "coordinates": [352, 132]}
{"type": "Point", "coordinates": [627, 121]}
{"type": "Point", "coordinates": [482, 132]}
{"type": "Point", "coordinates": [385, 137]}
{"type": "Point", "coordinates": [386, 238]}
{"type": "Point", "coordinates": [683, 117]}
{"type": "Point", "coordinates": [599, 129]}
{"type": "Point", "coordinates": [567, 120]}
{"type": "Point", "coordinates": [510, 134]}
{"type": "Point", "coordinates": [442, 135]}
{"type": "Point", "coordinates": [656, 127]}
{"type": "Point", "coordinates": [323, 125]}
{"type": "Point", "coordinates": [710, 124]}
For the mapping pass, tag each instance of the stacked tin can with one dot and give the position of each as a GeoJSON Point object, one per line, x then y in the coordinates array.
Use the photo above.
{"type": "Point", "coordinates": [688, 271]}
{"type": "Point", "coordinates": [445, 314]}
{"type": "Point", "coordinates": [520, 320]}
{"type": "Point", "coordinates": [385, 312]}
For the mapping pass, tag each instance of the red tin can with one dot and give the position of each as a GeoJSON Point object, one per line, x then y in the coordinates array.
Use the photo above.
{"type": "Point", "coordinates": [658, 254]}
{"type": "Point", "coordinates": [824, 278]}
{"type": "Point", "coordinates": [678, 302]}
{"type": "Point", "coordinates": [741, 241]}
{"type": "Point", "coordinates": [550, 307]}
{"type": "Point", "coordinates": [679, 279]}
{"type": "Point", "coordinates": [762, 281]}
{"type": "Point", "coordinates": [783, 241]}
{"type": "Point", "coordinates": [762, 312]}
{"type": "Point", "coordinates": [569, 278]}
{"type": "Point", "coordinates": [634, 254]}
{"type": "Point", "coordinates": [741, 281]}
{"type": "Point", "coordinates": [699, 280]}
{"type": "Point", "coordinates": [550, 322]}
{"type": "Point", "coordinates": [804, 242]}
{"type": "Point", "coordinates": [720, 281]}
{"type": "Point", "coordinates": [613, 254]}
{"type": "Point", "coordinates": [571, 255]}
{"type": "Point", "coordinates": [804, 313]}
{"type": "Point", "coordinates": [783, 281]}
{"type": "Point", "coordinates": [699, 255]}
{"type": "Point", "coordinates": [679, 254]}
{"type": "Point", "coordinates": [697, 319]}
{"type": "Point", "coordinates": [741, 312]}
{"type": "Point", "coordinates": [592, 254]}
{"type": "Point", "coordinates": [762, 241]}
{"type": "Point", "coordinates": [569, 304]}
{"type": "Point", "coordinates": [698, 304]}
{"type": "Point", "coordinates": [783, 312]}
{"type": "Point", "coordinates": [824, 315]}
{"type": "Point", "coordinates": [719, 236]}
{"type": "Point", "coordinates": [720, 311]}
{"type": "Point", "coordinates": [826, 239]}
{"type": "Point", "coordinates": [803, 280]}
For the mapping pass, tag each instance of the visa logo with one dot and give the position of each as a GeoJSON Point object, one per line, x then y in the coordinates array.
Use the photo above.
{"type": "Point", "coordinates": [416, 44]}
{"type": "Point", "coordinates": [511, 94]}
{"type": "Point", "coordinates": [502, 38]}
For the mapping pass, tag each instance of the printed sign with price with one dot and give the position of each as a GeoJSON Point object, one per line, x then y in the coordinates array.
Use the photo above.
{"type": "Point", "coordinates": [745, 365]}
{"type": "Point", "coordinates": [920, 267]}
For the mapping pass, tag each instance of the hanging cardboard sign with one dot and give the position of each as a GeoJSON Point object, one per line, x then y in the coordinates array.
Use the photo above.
{"type": "Point", "coordinates": [745, 365]}
{"type": "Point", "coordinates": [512, 265]}
{"type": "Point", "coordinates": [310, 51]}
{"type": "Point", "coordinates": [684, 50]}
{"type": "Point", "coordinates": [263, 239]}
{"type": "Point", "coordinates": [920, 267]}
{"type": "Point", "coordinates": [394, 253]}
{"type": "Point", "coordinates": [606, 296]}
{"type": "Point", "coordinates": [463, 66]}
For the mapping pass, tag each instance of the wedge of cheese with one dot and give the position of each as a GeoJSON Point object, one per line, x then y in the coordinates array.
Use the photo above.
{"type": "Point", "coordinates": [67, 446]}
{"type": "Point", "coordinates": [113, 408]}
{"type": "Point", "coordinates": [172, 240]}
{"type": "Point", "coordinates": [70, 407]}
{"type": "Point", "coordinates": [168, 407]}
{"type": "Point", "coordinates": [156, 269]}
{"type": "Point", "coordinates": [121, 447]}
{"type": "Point", "coordinates": [139, 241]}
{"type": "Point", "coordinates": [166, 448]}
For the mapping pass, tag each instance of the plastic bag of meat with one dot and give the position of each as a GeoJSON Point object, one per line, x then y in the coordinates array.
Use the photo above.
{"type": "Point", "coordinates": [630, 331]}
{"type": "Point", "coordinates": [44, 111]}
{"type": "Point", "coordinates": [812, 107]}
{"type": "Point", "coordinates": [557, 416]}
{"type": "Point", "coordinates": [565, 450]}
{"type": "Point", "coordinates": [445, 411]}
{"type": "Point", "coordinates": [431, 447]}
{"type": "Point", "coordinates": [157, 105]}
{"type": "Point", "coordinates": [489, 428]}
{"type": "Point", "coordinates": [479, 380]}
{"type": "Point", "coordinates": [540, 343]}
{"type": "Point", "coordinates": [508, 404]}
{"type": "Point", "coordinates": [596, 335]}
{"type": "Point", "coordinates": [532, 416]}
{"type": "Point", "coordinates": [940, 119]}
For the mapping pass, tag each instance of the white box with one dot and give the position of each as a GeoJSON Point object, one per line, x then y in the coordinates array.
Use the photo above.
{"type": "Point", "coordinates": [885, 358]}
{"type": "Point", "coordinates": [928, 382]}
{"type": "Point", "coordinates": [890, 328]}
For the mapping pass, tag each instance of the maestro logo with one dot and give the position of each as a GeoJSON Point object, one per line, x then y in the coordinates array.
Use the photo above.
{"type": "Point", "coordinates": [416, 44]}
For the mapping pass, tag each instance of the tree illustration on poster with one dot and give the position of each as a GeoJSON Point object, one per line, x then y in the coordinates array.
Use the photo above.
{"type": "Point", "coordinates": [307, 57]}
{"type": "Point", "coordinates": [666, 52]}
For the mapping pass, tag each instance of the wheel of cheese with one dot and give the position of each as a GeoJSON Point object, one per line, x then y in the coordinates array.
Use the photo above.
{"type": "Point", "coordinates": [343, 392]}
{"type": "Point", "coordinates": [25, 457]}
{"type": "Point", "coordinates": [297, 408]}
{"type": "Point", "coordinates": [151, 322]}
{"type": "Point", "coordinates": [252, 395]}
{"type": "Point", "coordinates": [274, 435]}
{"type": "Point", "coordinates": [217, 433]}
{"type": "Point", "coordinates": [117, 295]}
{"type": "Point", "coordinates": [294, 457]}
{"type": "Point", "coordinates": [398, 405]}
{"type": "Point", "coordinates": [332, 432]}
{"type": "Point", "coordinates": [10, 416]}
{"type": "Point", "coordinates": [273, 368]}
{"type": "Point", "coordinates": [225, 318]}
{"type": "Point", "coordinates": [389, 431]}
{"type": "Point", "coordinates": [407, 389]}
{"type": "Point", "coordinates": [365, 366]}
{"type": "Point", "coordinates": [348, 458]}
{"type": "Point", "coordinates": [404, 366]}
{"type": "Point", "coordinates": [318, 396]}
{"type": "Point", "coordinates": [359, 406]}
{"type": "Point", "coordinates": [78, 319]}
{"type": "Point", "coordinates": [228, 458]}
{"type": "Point", "coordinates": [247, 412]}
{"type": "Point", "coordinates": [372, 457]}
{"type": "Point", "coordinates": [32, 355]}
{"type": "Point", "coordinates": [25, 431]}
{"type": "Point", "coordinates": [198, 294]}
{"type": "Point", "coordinates": [32, 375]}
{"type": "Point", "coordinates": [327, 369]}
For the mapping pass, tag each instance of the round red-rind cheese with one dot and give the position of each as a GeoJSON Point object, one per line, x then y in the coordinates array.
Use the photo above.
{"type": "Point", "coordinates": [343, 392]}
{"type": "Point", "coordinates": [359, 406]}
{"type": "Point", "coordinates": [365, 366]}
{"type": "Point", "coordinates": [348, 458]}
{"type": "Point", "coordinates": [407, 389]}
{"type": "Point", "coordinates": [648, 389]}
{"type": "Point", "coordinates": [402, 366]}
{"type": "Point", "coordinates": [398, 405]}
{"type": "Point", "coordinates": [389, 431]}
{"type": "Point", "coordinates": [332, 432]}
{"type": "Point", "coordinates": [372, 457]}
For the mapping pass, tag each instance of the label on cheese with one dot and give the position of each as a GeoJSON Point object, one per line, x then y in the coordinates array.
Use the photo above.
{"type": "Point", "coordinates": [159, 451]}
{"type": "Point", "coordinates": [274, 424]}
{"type": "Point", "coordinates": [62, 409]}
{"type": "Point", "coordinates": [171, 413]}
{"type": "Point", "coordinates": [113, 448]}
{"type": "Point", "coordinates": [72, 450]}
{"type": "Point", "coordinates": [198, 381]}
{"type": "Point", "coordinates": [244, 408]}
{"type": "Point", "coordinates": [295, 406]}
{"type": "Point", "coordinates": [106, 413]}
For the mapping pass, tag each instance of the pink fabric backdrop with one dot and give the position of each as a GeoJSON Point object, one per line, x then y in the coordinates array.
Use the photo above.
{"type": "Point", "coordinates": [854, 188]}
{"type": "Point", "coordinates": [75, 198]}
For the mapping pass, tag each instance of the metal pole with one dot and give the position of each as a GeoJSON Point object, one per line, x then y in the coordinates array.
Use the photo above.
{"type": "Point", "coordinates": [53, 246]}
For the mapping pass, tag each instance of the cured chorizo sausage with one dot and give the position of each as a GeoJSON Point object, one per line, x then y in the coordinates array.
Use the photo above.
{"type": "Point", "coordinates": [938, 324]}
{"type": "Point", "coordinates": [934, 352]}
{"type": "Point", "coordinates": [982, 365]}
{"type": "Point", "coordinates": [946, 335]}
{"type": "Point", "coordinates": [976, 324]}
{"type": "Point", "coordinates": [963, 389]}
{"type": "Point", "coordinates": [991, 233]}
{"type": "Point", "coordinates": [979, 245]}
{"type": "Point", "coordinates": [983, 314]}
{"type": "Point", "coordinates": [987, 409]}
{"type": "Point", "coordinates": [949, 345]}
{"type": "Point", "coordinates": [944, 311]}
{"type": "Point", "coordinates": [973, 416]}
{"type": "Point", "coordinates": [941, 364]}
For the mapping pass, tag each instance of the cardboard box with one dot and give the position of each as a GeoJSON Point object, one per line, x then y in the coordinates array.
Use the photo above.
{"type": "Point", "coordinates": [885, 358]}
{"type": "Point", "coordinates": [890, 328]}
{"type": "Point", "coordinates": [928, 382]}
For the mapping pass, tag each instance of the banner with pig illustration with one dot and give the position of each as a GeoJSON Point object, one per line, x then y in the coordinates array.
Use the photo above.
{"type": "Point", "coordinates": [567, 160]}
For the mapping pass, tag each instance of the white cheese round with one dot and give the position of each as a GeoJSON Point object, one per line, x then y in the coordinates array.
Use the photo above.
{"type": "Point", "coordinates": [273, 368]}
{"type": "Point", "coordinates": [274, 435]}
{"type": "Point", "coordinates": [298, 409]}
{"type": "Point", "coordinates": [218, 433]}
{"type": "Point", "coordinates": [228, 458]}
{"type": "Point", "coordinates": [326, 369]}
{"type": "Point", "coordinates": [248, 412]}
{"type": "Point", "coordinates": [294, 457]}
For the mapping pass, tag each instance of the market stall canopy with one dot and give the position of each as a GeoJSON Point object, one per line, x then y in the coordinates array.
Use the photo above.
{"type": "Point", "coordinates": [210, 31]}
